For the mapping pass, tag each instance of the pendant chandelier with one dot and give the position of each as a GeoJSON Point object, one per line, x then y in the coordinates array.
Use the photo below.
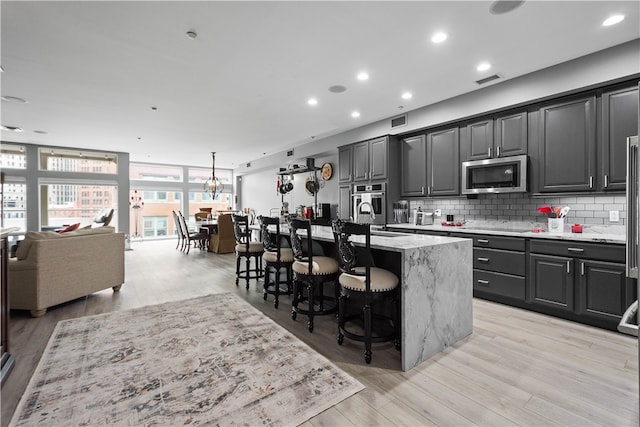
{"type": "Point", "coordinates": [213, 185]}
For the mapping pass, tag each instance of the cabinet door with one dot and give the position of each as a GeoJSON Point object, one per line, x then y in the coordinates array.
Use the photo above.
{"type": "Point", "coordinates": [414, 166]}
{"type": "Point", "coordinates": [619, 120]}
{"type": "Point", "coordinates": [345, 164]}
{"type": "Point", "coordinates": [511, 135]}
{"type": "Point", "coordinates": [344, 205]}
{"type": "Point", "coordinates": [378, 158]}
{"type": "Point", "coordinates": [604, 290]}
{"type": "Point", "coordinates": [480, 140]}
{"type": "Point", "coordinates": [443, 163]}
{"type": "Point", "coordinates": [361, 161]}
{"type": "Point", "coordinates": [568, 146]}
{"type": "Point", "coordinates": [551, 281]}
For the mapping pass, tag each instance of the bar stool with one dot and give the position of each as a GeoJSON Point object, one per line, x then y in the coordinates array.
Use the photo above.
{"type": "Point", "coordinates": [245, 248]}
{"type": "Point", "coordinates": [361, 280]}
{"type": "Point", "coordinates": [310, 273]}
{"type": "Point", "coordinates": [276, 258]}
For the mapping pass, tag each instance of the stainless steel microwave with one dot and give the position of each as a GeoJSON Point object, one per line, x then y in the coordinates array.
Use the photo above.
{"type": "Point", "coordinates": [499, 175]}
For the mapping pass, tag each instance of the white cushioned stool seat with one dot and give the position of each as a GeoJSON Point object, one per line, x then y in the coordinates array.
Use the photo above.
{"type": "Point", "coordinates": [381, 280]}
{"type": "Point", "coordinates": [253, 247]}
{"type": "Point", "coordinates": [321, 265]}
{"type": "Point", "coordinates": [286, 255]}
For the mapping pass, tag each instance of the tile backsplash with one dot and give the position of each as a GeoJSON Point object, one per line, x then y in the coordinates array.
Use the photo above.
{"type": "Point", "coordinates": [586, 210]}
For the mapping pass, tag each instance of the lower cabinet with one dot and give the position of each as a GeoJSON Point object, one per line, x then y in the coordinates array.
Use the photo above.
{"type": "Point", "coordinates": [585, 282]}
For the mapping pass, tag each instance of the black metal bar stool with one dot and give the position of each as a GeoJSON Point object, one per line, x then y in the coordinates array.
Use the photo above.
{"type": "Point", "coordinates": [247, 249]}
{"type": "Point", "coordinates": [362, 281]}
{"type": "Point", "coordinates": [310, 273]}
{"type": "Point", "coordinates": [276, 257]}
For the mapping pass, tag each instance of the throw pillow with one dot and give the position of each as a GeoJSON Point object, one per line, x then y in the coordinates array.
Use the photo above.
{"type": "Point", "coordinates": [72, 227]}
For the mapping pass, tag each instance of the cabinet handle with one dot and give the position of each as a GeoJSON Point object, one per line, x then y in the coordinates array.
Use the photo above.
{"type": "Point", "coordinates": [428, 190]}
{"type": "Point", "coordinates": [582, 268]}
{"type": "Point", "coordinates": [483, 259]}
{"type": "Point", "coordinates": [483, 240]}
{"type": "Point", "coordinates": [606, 181]}
{"type": "Point", "coordinates": [489, 152]}
{"type": "Point", "coordinates": [569, 266]}
{"type": "Point", "coordinates": [580, 250]}
{"type": "Point", "coordinates": [422, 190]}
{"type": "Point", "coordinates": [498, 151]}
{"type": "Point", "coordinates": [591, 181]}
{"type": "Point", "coordinates": [483, 282]}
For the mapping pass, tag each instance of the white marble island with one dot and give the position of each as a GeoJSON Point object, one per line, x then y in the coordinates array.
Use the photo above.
{"type": "Point", "coordinates": [436, 278]}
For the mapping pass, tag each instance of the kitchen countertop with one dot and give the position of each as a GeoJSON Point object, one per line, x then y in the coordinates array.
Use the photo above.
{"type": "Point", "coordinates": [595, 234]}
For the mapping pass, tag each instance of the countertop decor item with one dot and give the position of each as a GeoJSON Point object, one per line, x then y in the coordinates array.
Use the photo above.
{"type": "Point", "coordinates": [202, 361]}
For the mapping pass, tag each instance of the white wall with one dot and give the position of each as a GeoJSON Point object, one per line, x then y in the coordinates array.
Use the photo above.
{"type": "Point", "coordinates": [259, 189]}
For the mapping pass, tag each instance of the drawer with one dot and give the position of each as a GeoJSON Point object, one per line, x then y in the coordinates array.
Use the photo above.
{"type": "Point", "coordinates": [498, 242]}
{"type": "Point", "coordinates": [488, 282]}
{"type": "Point", "coordinates": [500, 261]}
{"type": "Point", "coordinates": [599, 251]}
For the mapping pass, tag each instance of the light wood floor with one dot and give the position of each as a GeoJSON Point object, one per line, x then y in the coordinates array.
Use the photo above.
{"type": "Point", "coordinates": [517, 368]}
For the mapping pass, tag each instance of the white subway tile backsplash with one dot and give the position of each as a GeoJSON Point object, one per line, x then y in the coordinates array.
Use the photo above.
{"type": "Point", "coordinates": [594, 207]}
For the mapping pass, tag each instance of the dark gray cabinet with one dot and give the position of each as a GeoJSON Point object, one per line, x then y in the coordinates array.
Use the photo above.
{"type": "Point", "coordinates": [619, 120]}
{"type": "Point", "coordinates": [370, 159]}
{"type": "Point", "coordinates": [443, 163]}
{"type": "Point", "coordinates": [568, 146]}
{"type": "Point", "coordinates": [344, 204]}
{"type": "Point", "coordinates": [503, 136]}
{"type": "Point", "coordinates": [413, 166]}
{"type": "Point", "coordinates": [585, 281]}
{"type": "Point", "coordinates": [345, 164]}
{"type": "Point", "coordinates": [480, 140]}
{"type": "Point", "coordinates": [512, 134]}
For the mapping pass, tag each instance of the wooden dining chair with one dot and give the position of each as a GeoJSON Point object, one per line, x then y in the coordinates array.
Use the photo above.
{"type": "Point", "coordinates": [197, 236]}
{"type": "Point", "coordinates": [276, 257]}
{"type": "Point", "coordinates": [247, 249]}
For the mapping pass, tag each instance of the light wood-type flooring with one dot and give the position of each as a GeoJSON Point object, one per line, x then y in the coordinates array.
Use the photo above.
{"type": "Point", "coordinates": [517, 368]}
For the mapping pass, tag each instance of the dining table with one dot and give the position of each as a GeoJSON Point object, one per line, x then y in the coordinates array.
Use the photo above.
{"type": "Point", "coordinates": [209, 226]}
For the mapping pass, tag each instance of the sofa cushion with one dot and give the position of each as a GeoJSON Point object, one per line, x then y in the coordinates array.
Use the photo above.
{"type": "Point", "coordinates": [30, 237]}
{"type": "Point", "coordinates": [90, 231]}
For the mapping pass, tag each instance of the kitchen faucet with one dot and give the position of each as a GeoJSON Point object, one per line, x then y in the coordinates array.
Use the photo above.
{"type": "Point", "coordinates": [371, 214]}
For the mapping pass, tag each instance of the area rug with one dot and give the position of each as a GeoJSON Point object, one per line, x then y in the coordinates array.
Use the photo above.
{"type": "Point", "coordinates": [214, 360]}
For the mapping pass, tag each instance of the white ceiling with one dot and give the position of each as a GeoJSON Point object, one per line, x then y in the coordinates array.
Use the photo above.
{"type": "Point", "coordinates": [91, 71]}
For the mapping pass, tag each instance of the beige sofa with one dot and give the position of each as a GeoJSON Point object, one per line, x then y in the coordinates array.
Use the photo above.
{"type": "Point", "coordinates": [52, 268]}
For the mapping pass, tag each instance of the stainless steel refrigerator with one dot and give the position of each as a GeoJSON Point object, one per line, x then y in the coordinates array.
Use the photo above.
{"type": "Point", "coordinates": [629, 322]}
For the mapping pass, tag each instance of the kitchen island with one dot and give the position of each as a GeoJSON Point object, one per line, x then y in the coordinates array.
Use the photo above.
{"type": "Point", "coordinates": [436, 288]}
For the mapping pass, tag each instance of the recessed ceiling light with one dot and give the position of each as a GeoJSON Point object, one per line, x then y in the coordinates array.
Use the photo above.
{"type": "Point", "coordinates": [439, 37]}
{"type": "Point", "coordinates": [363, 75]}
{"type": "Point", "coordinates": [612, 20]}
{"type": "Point", "coordinates": [355, 114]}
{"type": "Point", "coordinates": [484, 66]}
{"type": "Point", "coordinates": [312, 101]}
{"type": "Point", "coordinates": [407, 95]}
{"type": "Point", "coordinates": [14, 99]}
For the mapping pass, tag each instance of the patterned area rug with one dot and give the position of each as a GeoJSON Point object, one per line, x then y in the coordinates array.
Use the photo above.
{"type": "Point", "coordinates": [213, 360]}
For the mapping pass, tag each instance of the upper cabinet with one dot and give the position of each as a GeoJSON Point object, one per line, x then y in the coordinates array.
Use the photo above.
{"type": "Point", "coordinates": [443, 163]}
{"type": "Point", "coordinates": [413, 165]}
{"type": "Point", "coordinates": [430, 164]}
{"type": "Point", "coordinates": [364, 161]}
{"type": "Point", "coordinates": [619, 121]}
{"type": "Point", "coordinates": [345, 164]}
{"type": "Point", "coordinates": [500, 137]}
{"type": "Point", "coordinates": [567, 139]}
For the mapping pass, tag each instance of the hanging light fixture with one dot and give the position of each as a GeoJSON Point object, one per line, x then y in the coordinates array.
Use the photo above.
{"type": "Point", "coordinates": [213, 185]}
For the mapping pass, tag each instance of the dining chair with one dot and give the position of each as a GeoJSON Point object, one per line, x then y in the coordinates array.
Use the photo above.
{"type": "Point", "coordinates": [189, 236]}
{"type": "Point", "coordinates": [223, 239]}
{"type": "Point", "coordinates": [276, 258]}
{"type": "Point", "coordinates": [247, 249]}
{"type": "Point", "coordinates": [178, 227]}
{"type": "Point", "coordinates": [364, 284]}
{"type": "Point", "coordinates": [310, 273]}
{"type": "Point", "coordinates": [201, 216]}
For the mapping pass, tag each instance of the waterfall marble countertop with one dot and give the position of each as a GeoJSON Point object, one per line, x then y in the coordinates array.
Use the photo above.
{"type": "Point", "coordinates": [595, 233]}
